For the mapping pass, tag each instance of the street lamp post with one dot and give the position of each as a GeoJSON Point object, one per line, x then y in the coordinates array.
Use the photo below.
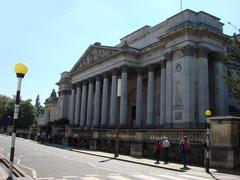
{"type": "Point", "coordinates": [117, 120]}
{"type": "Point", "coordinates": [208, 113]}
{"type": "Point", "coordinates": [20, 70]}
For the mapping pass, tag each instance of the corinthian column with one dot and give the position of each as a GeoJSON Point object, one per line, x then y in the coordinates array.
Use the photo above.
{"type": "Point", "coordinates": [77, 105]}
{"type": "Point", "coordinates": [72, 106]}
{"type": "Point", "coordinates": [90, 103]}
{"type": "Point", "coordinates": [163, 94]}
{"type": "Point", "coordinates": [150, 94]}
{"type": "Point", "coordinates": [124, 98]}
{"type": "Point", "coordinates": [96, 119]}
{"type": "Point", "coordinates": [138, 122]}
{"type": "Point", "coordinates": [104, 101]}
{"type": "Point", "coordinates": [113, 99]}
{"type": "Point", "coordinates": [203, 91]}
{"type": "Point", "coordinates": [83, 104]}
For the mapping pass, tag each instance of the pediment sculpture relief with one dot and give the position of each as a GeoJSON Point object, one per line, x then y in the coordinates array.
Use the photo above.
{"type": "Point", "coordinates": [95, 54]}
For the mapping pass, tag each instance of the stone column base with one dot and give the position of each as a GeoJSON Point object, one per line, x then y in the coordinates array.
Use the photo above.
{"type": "Point", "coordinates": [93, 145]}
{"type": "Point", "coordinates": [136, 149]}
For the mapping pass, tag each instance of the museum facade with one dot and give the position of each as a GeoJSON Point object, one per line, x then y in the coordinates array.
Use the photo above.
{"type": "Point", "coordinates": [164, 76]}
{"type": "Point", "coordinates": [158, 81]}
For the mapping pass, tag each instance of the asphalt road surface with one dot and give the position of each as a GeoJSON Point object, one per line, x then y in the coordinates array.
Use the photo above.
{"type": "Point", "coordinates": [44, 162]}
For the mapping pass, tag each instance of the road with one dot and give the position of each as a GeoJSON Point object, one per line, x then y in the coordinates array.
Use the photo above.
{"type": "Point", "coordinates": [44, 162]}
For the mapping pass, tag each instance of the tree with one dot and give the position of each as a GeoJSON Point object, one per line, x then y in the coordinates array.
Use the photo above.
{"type": "Point", "coordinates": [6, 110]}
{"type": "Point", "coordinates": [233, 59]}
{"type": "Point", "coordinates": [39, 108]}
{"type": "Point", "coordinates": [27, 114]}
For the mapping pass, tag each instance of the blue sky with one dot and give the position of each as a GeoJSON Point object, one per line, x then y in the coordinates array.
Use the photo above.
{"type": "Point", "coordinates": [50, 35]}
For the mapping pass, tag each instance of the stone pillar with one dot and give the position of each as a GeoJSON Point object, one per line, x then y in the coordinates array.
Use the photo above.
{"type": "Point", "coordinates": [225, 141]}
{"type": "Point", "coordinates": [90, 103]}
{"type": "Point", "coordinates": [113, 100]}
{"type": "Point", "coordinates": [163, 94]}
{"type": "Point", "coordinates": [188, 86]}
{"type": "Point", "coordinates": [220, 86]}
{"type": "Point", "coordinates": [77, 105]}
{"type": "Point", "coordinates": [105, 101]}
{"type": "Point", "coordinates": [72, 106]}
{"type": "Point", "coordinates": [124, 98]}
{"type": "Point", "coordinates": [203, 91]}
{"type": "Point", "coordinates": [138, 122]}
{"type": "Point", "coordinates": [150, 95]}
{"type": "Point", "coordinates": [83, 104]}
{"type": "Point", "coordinates": [96, 119]}
{"type": "Point", "coordinates": [168, 121]}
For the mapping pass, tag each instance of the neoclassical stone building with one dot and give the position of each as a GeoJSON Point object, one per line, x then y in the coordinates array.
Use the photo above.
{"type": "Point", "coordinates": [155, 80]}
{"type": "Point", "coordinates": [167, 76]}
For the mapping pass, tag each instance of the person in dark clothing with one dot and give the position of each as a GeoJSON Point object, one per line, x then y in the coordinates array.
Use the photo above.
{"type": "Point", "coordinates": [185, 148]}
{"type": "Point", "coordinates": [157, 149]}
{"type": "Point", "coordinates": [75, 140]}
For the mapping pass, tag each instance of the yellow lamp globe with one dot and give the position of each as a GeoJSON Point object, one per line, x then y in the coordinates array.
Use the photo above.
{"type": "Point", "coordinates": [208, 113]}
{"type": "Point", "coordinates": [21, 69]}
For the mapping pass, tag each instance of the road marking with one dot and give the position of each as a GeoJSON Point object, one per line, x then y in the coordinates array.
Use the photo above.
{"type": "Point", "coordinates": [193, 177]}
{"type": "Point", "coordinates": [66, 177]}
{"type": "Point", "coordinates": [171, 177]}
{"type": "Point", "coordinates": [118, 178]}
{"type": "Point", "coordinates": [91, 164]}
{"type": "Point", "coordinates": [34, 173]}
{"type": "Point", "coordinates": [145, 177]}
{"type": "Point", "coordinates": [90, 178]}
{"type": "Point", "coordinates": [92, 175]}
{"type": "Point", "coordinates": [18, 160]}
{"type": "Point", "coordinates": [45, 178]}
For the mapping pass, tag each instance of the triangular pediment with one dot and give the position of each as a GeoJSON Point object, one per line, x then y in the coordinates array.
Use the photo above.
{"type": "Point", "coordinates": [93, 54]}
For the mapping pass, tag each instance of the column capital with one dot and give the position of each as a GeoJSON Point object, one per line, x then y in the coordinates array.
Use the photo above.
{"type": "Point", "coordinates": [73, 86]}
{"type": "Point", "coordinates": [84, 82]}
{"type": "Point", "coordinates": [114, 71]}
{"type": "Point", "coordinates": [106, 75]}
{"type": "Point", "coordinates": [124, 68]}
{"type": "Point", "coordinates": [163, 64]}
{"type": "Point", "coordinates": [78, 84]}
{"type": "Point", "coordinates": [91, 79]}
{"type": "Point", "coordinates": [188, 50]}
{"type": "Point", "coordinates": [168, 55]}
{"type": "Point", "coordinates": [98, 77]}
{"type": "Point", "coordinates": [151, 67]}
{"type": "Point", "coordinates": [202, 52]}
{"type": "Point", "coordinates": [140, 70]}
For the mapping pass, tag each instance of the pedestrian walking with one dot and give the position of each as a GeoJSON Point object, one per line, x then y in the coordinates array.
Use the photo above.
{"type": "Point", "coordinates": [43, 137]}
{"type": "Point", "coordinates": [157, 150]}
{"type": "Point", "coordinates": [75, 140]}
{"type": "Point", "coordinates": [185, 149]}
{"type": "Point", "coordinates": [166, 147]}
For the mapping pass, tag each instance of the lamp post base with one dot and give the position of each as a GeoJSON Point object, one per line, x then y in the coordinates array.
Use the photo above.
{"type": "Point", "coordinates": [116, 155]}
{"type": "Point", "coordinates": [207, 165]}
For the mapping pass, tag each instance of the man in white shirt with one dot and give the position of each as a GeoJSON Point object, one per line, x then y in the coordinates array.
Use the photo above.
{"type": "Point", "coordinates": [166, 146]}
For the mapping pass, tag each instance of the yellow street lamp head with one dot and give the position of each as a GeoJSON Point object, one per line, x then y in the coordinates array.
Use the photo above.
{"type": "Point", "coordinates": [208, 113]}
{"type": "Point", "coordinates": [21, 69]}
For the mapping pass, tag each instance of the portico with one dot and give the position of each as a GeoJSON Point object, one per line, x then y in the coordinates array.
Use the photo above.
{"type": "Point", "coordinates": [166, 76]}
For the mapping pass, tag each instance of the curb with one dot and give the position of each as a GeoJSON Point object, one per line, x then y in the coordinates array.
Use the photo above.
{"type": "Point", "coordinates": [120, 159]}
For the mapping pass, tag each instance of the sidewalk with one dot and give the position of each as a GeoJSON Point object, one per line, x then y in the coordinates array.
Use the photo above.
{"type": "Point", "coordinates": [144, 161]}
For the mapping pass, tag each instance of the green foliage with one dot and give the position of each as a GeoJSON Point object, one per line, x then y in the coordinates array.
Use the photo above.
{"type": "Point", "coordinates": [6, 110]}
{"type": "Point", "coordinates": [233, 58]}
{"type": "Point", "coordinates": [27, 112]}
{"type": "Point", "coordinates": [39, 108]}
